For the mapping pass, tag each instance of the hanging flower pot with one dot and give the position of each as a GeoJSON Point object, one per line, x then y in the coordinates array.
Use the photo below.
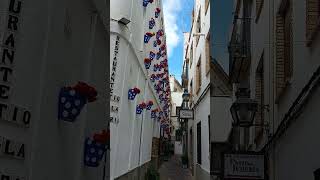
{"type": "Point", "coordinates": [158, 41]}
{"type": "Point", "coordinates": [146, 2]}
{"type": "Point", "coordinates": [159, 34]}
{"type": "Point", "coordinates": [147, 37]}
{"type": "Point", "coordinates": [157, 12]}
{"type": "Point", "coordinates": [95, 148]}
{"type": "Point", "coordinates": [155, 44]}
{"type": "Point", "coordinates": [73, 99]}
{"type": "Point", "coordinates": [153, 114]}
{"type": "Point", "coordinates": [132, 93]}
{"type": "Point", "coordinates": [152, 23]}
{"type": "Point", "coordinates": [149, 105]}
{"type": "Point", "coordinates": [147, 63]}
{"type": "Point", "coordinates": [153, 78]}
{"type": "Point", "coordinates": [158, 56]}
{"type": "Point", "coordinates": [139, 109]}
{"type": "Point", "coordinates": [152, 55]}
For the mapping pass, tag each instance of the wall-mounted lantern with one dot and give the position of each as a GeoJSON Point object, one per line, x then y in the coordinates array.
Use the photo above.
{"type": "Point", "coordinates": [243, 110]}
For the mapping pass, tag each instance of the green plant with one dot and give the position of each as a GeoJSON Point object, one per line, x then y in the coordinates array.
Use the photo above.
{"type": "Point", "coordinates": [152, 174]}
{"type": "Point", "coordinates": [184, 159]}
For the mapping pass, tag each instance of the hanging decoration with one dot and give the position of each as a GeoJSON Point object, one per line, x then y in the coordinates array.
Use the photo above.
{"type": "Point", "coordinates": [152, 23]}
{"type": "Point", "coordinates": [153, 78]}
{"type": "Point", "coordinates": [151, 55]}
{"type": "Point", "coordinates": [133, 92]}
{"type": "Point", "coordinates": [146, 2]}
{"type": "Point", "coordinates": [149, 105]}
{"type": "Point", "coordinates": [158, 55]}
{"type": "Point", "coordinates": [155, 44]}
{"type": "Point", "coordinates": [160, 33]}
{"type": "Point", "coordinates": [73, 99]}
{"type": "Point", "coordinates": [147, 63]}
{"type": "Point", "coordinates": [95, 148]}
{"type": "Point", "coordinates": [148, 36]}
{"type": "Point", "coordinates": [140, 108]}
{"type": "Point", "coordinates": [157, 12]}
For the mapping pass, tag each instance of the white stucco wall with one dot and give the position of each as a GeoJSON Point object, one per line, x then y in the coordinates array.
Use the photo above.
{"type": "Point", "coordinates": [46, 59]}
{"type": "Point", "coordinates": [131, 138]}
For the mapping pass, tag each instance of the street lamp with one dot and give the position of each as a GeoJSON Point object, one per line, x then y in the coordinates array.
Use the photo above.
{"type": "Point", "coordinates": [243, 110]}
{"type": "Point", "coordinates": [185, 98]}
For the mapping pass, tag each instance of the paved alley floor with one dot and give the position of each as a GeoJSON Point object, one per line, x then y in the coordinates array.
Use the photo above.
{"type": "Point", "coordinates": [172, 170]}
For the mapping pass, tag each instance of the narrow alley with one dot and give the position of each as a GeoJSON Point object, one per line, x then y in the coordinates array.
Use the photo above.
{"type": "Point", "coordinates": [172, 170]}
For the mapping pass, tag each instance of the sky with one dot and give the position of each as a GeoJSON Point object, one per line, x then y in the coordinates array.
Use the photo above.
{"type": "Point", "coordinates": [177, 19]}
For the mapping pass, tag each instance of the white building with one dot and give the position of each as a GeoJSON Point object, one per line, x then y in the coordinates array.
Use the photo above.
{"type": "Point", "coordinates": [196, 79]}
{"type": "Point", "coordinates": [176, 101]}
{"type": "Point", "coordinates": [45, 46]}
{"type": "Point", "coordinates": [134, 136]}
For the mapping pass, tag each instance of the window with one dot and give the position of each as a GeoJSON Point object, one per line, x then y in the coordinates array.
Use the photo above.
{"type": "Point", "coordinates": [208, 54]}
{"type": "Point", "coordinates": [259, 119]}
{"type": "Point", "coordinates": [198, 28]}
{"type": "Point", "coordinates": [207, 5]}
{"type": "Point", "coordinates": [259, 5]}
{"type": "Point", "coordinates": [312, 19]}
{"type": "Point", "coordinates": [284, 64]}
{"type": "Point", "coordinates": [198, 76]}
{"type": "Point", "coordinates": [191, 54]}
{"type": "Point", "coordinates": [191, 90]}
{"type": "Point", "coordinates": [199, 143]}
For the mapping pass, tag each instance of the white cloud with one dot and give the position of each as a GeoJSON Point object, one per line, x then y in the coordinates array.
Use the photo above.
{"type": "Point", "coordinates": [171, 10]}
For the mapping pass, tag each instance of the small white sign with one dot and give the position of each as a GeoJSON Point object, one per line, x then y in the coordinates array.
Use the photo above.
{"type": "Point", "coordinates": [186, 114]}
{"type": "Point", "coordinates": [243, 166]}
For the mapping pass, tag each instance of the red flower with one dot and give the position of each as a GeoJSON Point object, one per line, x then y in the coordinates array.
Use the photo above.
{"type": "Point", "coordinates": [103, 137]}
{"type": "Point", "coordinates": [143, 105]}
{"type": "Point", "coordinates": [136, 90]}
{"type": "Point", "coordinates": [150, 34]}
{"type": "Point", "coordinates": [158, 10]}
{"type": "Point", "coordinates": [147, 60]}
{"type": "Point", "coordinates": [86, 90]}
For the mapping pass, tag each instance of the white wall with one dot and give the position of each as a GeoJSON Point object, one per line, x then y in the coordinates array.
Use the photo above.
{"type": "Point", "coordinates": [47, 59]}
{"type": "Point", "coordinates": [132, 137]}
{"type": "Point", "coordinates": [201, 114]}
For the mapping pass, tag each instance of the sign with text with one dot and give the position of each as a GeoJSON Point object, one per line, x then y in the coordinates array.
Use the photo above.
{"type": "Point", "coordinates": [185, 114]}
{"type": "Point", "coordinates": [244, 166]}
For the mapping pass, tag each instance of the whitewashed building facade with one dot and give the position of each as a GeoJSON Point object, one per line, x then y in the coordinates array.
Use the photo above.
{"type": "Point", "coordinates": [196, 79]}
{"type": "Point", "coordinates": [134, 136]}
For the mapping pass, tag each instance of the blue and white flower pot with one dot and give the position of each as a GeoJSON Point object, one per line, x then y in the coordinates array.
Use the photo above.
{"type": "Point", "coordinates": [93, 153]}
{"type": "Point", "coordinates": [70, 104]}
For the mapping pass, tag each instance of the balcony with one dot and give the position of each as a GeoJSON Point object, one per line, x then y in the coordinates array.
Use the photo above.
{"type": "Point", "coordinates": [239, 49]}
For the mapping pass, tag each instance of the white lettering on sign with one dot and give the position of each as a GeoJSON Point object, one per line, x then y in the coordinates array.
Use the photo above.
{"type": "Point", "coordinates": [12, 148]}
{"type": "Point", "coordinates": [244, 166]}
{"type": "Point", "coordinates": [11, 21]}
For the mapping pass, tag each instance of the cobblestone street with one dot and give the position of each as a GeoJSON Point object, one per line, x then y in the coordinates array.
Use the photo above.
{"type": "Point", "coordinates": [172, 170]}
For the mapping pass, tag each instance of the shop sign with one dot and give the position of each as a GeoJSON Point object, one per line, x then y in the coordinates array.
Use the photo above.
{"type": "Point", "coordinates": [115, 100]}
{"type": "Point", "coordinates": [244, 166]}
{"type": "Point", "coordinates": [11, 22]}
{"type": "Point", "coordinates": [186, 114]}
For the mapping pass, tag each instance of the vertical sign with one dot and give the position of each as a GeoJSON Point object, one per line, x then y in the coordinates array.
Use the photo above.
{"type": "Point", "coordinates": [114, 106]}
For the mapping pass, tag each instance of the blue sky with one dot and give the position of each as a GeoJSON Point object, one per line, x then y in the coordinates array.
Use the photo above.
{"type": "Point", "coordinates": [177, 19]}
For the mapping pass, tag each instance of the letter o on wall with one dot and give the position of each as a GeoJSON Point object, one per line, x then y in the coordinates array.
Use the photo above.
{"type": "Point", "coordinates": [26, 118]}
